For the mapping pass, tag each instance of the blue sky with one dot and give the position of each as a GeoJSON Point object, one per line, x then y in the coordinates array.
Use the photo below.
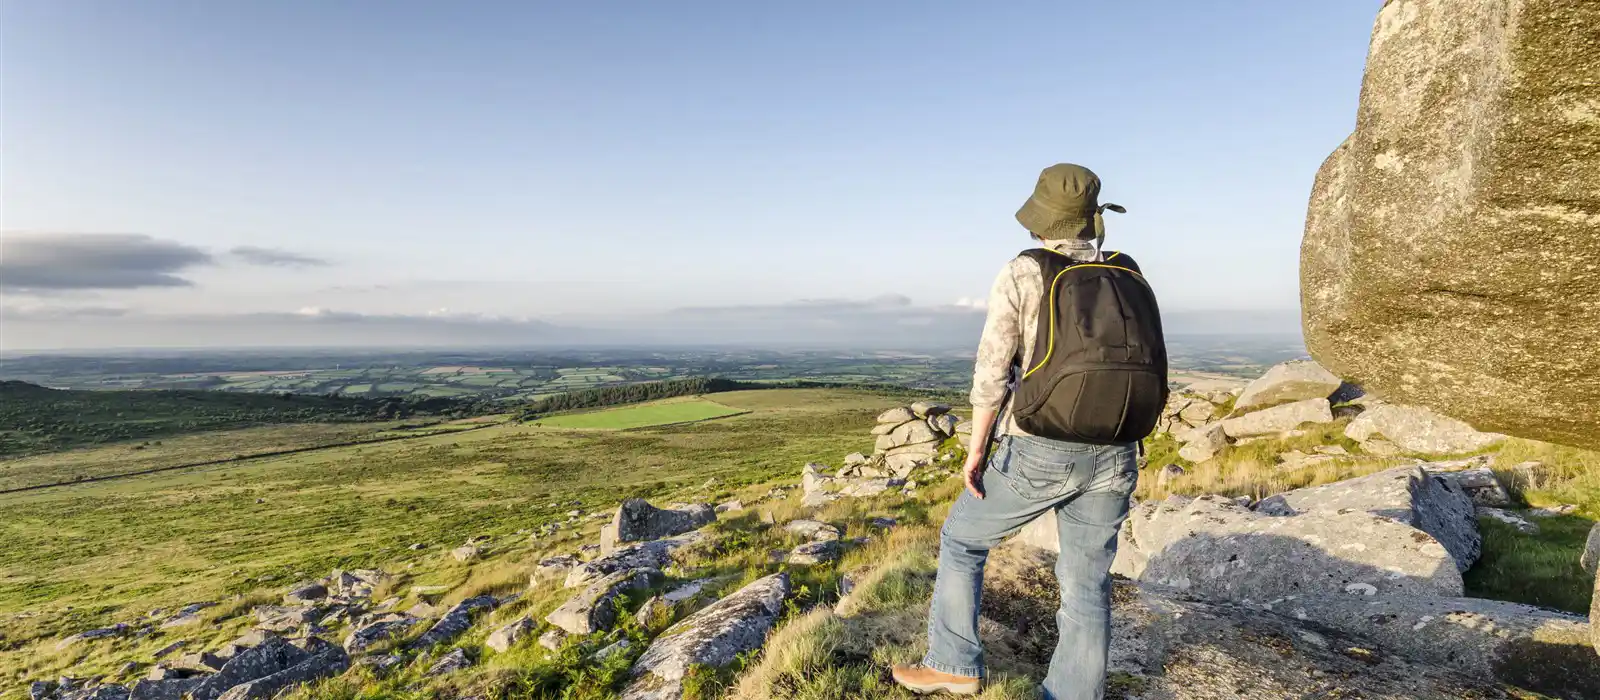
{"type": "Point", "coordinates": [574, 162]}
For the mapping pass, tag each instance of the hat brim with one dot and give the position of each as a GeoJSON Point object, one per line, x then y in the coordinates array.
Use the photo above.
{"type": "Point", "coordinates": [1050, 225]}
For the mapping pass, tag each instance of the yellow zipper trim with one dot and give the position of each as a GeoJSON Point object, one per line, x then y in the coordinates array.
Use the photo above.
{"type": "Point", "coordinates": [1051, 347]}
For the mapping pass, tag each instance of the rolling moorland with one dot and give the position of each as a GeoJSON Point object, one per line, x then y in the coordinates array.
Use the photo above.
{"type": "Point", "coordinates": [532, 375]}
{"type": "Point", "coordinates": [235, 535]}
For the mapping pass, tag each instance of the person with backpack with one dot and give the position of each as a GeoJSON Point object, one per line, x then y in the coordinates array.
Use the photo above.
{"type": "Point", "coordinates": [1071, 373]}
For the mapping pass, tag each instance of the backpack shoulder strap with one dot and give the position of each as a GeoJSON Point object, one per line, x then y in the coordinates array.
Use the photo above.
{"type": "Point", "coordinates": [1123, 260]}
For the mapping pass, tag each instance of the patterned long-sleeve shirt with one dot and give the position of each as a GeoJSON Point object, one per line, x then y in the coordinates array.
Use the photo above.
{"type": "Point", "coordinates": [1009, 330]}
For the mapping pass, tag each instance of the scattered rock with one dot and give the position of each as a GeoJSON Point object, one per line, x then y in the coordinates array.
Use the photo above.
{"type": "Point", "coordinates": [613, 649]}
{"type": "Point", "coordinates": [1331, 450]}
{"type": "Point", "coordinates": [1209, 546]}
{"type": "Point", "coordinates": [928, 409]}
{"type": "Point", "coordinates": [713, 637]}
{"type": "Point", "coordinates": [1295, 459]}
{"type": "Point", "coordinates": [552, 569]}
{"type": "Point", "coordinates": [456, 660]}
{"type": "Point", "coordinates": [168, 649]}
{"type": "Point", "coordinates": [466, 552]}
{"type": "Point", "coordinates": [733, 506]}
{"type": "Point", "coordinates": [1286, 383]}
{"type": "Point", "coordinates": [814, 553]}
{"type": "Point", "coordinates": [1480, 484]}
{"type": "Point", "coordinates": [509, 634]}
{"type": "Point", "coordinates": [329, 662]}
{"type": "Point", "coordinates": [1553, 511]}
{"type": "Point", "coordinates": [1408, 495]}
{"type": "Point", "coordinates": [305, 594]}
{"type": "Point", "coordinates": [1201, 444]}
{"type": "Point", "coordinates": [1419, 430]}
{"type": "Point", "coordinates": [642, 555]}
{"type": "Point", "coordinates": [1168, 473]}
{"type": "Point", "coordinates": [943, 425]}
{"type": "Point", "coordinates": [1507, 517]}
{"type": "Point", "coordinates": [856, 459]}
{"type": "Point", "coordinates": [382, 629]}
{"type": "Point", "coordinates": [813, 529]}
{"type": "Point", "coordinates": [638, 521]}
{"type": "Point", "coordinates": [455, 622]}
{"type": "Point", "coordinates": [271, 656]}
{"type": "Point", "coordinates": [116, 630]}
{"type": "Point", "coordinates": [553, 638]}
{"type": "Point", "coordinates": [592, 609]}
{"type": "Point", "coordinates": [1278, 419]}
{"type": "Point", "coordinates": [161, 689]}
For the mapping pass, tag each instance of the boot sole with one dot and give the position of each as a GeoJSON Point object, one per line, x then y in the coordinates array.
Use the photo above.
{"type": "Point", "coordinates": [970, 688]}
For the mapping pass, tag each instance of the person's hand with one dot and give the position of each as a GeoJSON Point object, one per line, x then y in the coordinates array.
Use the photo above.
{"type": "Point", "coordinates": [972, 471]}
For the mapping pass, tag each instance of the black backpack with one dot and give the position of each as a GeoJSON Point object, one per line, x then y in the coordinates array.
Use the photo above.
{"type": "Point", "coordinates": [1099, 371]}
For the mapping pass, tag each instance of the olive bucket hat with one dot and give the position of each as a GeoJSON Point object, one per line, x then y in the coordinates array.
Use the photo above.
{"type": "Point", "coordinates": [1066, 204]}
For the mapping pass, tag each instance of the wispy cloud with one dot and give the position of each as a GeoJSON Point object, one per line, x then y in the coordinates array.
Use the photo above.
{"type": "Point", "coordinates": [82, 261]}
{"type": "Point", "coordinates": [273, 257]}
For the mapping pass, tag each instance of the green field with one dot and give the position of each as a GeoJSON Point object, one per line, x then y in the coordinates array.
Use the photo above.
{"type": "Point", "coordinates": [669, 412]}
{"type": "Point", "coordinates": [82, 556]}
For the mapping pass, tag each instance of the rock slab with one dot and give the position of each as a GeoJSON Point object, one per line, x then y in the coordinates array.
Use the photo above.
{"type": "Point", "coordinates": [1278, 419]}
{"type": "Point", "coordinates": [1420, 430]}
{"type": "Point", "coordinates": [713, 637]}
{"type": "Point", "coordinates": [1216, 549]}
{"type": "Point", "coordinates": [593, 609]}
{"type": "Point", "coordinates": [1408, 495]}
{"type": "Point", "coordinates": [329, 662]}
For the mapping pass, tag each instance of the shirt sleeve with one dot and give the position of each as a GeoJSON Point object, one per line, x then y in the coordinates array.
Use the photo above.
{"type": "Point", "coordinates": [1002, 336]}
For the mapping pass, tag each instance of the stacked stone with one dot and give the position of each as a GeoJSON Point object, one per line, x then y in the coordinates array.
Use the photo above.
{"type": "Point", "coordinates": [909, 436]}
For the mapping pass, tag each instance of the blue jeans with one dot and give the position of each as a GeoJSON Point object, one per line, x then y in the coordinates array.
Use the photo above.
{"type": "Point", "coordinates": [1089, 487]}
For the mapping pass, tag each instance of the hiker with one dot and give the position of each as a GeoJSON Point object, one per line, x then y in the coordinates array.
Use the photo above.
{"type": "Point", "coordinates": [1071, 374]}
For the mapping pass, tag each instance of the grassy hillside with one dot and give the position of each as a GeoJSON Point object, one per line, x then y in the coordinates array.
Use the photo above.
{"type": "Point", "coordinates": [35, 419]}
{"type": "Point", "coordinates": [86, 555]}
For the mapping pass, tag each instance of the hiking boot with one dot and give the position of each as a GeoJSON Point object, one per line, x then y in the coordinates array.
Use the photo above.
{"type": "Point", "coordinates": [922, 680]}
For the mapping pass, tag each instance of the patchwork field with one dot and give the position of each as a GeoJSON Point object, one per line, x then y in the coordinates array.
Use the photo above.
{"type": "Point", "coordinates": [87, 555]}
{"type": "Point", "coordinates": [669, 412]}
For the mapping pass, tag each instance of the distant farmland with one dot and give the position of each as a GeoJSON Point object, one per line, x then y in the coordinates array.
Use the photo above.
{"type": "Point", "coordinates": [668, 412]}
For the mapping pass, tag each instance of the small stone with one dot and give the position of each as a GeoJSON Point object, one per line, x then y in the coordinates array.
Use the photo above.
{"type": "Point", "coordinates": [814, 553]}
{"type": "Point", "coordinates": [1168, 473]}
{"type": "Point", "coordinates": [508, 635]}
{"type": "Point", "coordinates": [813, 529]}
{"type": "Point", "coordinates": [617, 648]}
{"type": "Point", "coordinates": [454, 661]}
{"type": "Point", "coordinates": [553, 638]}
{"type": "Point", "coordinates": [466, 552]}
{"type": "Point", "coordinates": [1522, 525]}
{"type": "Point", "coordinates": [733, 506]}
{"type": "Point", "coordinates": [308, 593]}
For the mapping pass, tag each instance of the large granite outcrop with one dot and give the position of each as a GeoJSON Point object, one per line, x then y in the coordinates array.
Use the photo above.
{"type": "Point", "coordinates": [1452, 240]}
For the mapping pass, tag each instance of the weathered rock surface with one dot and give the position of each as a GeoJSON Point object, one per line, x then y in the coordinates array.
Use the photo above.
{"type": "Point", "coordinates": [327, 663]}
{"type": "Point", "coordinates": [913, 433]}
{"type": "Point", "coordinates": [1278, 419]}
{"type": "Point", "coordinates": [1481, 485]}
{"type": "Point", "coordinates": [929, 409]}
{"type": "Point", "coordinates": [1476, 128]}
{"type": "Point", "coordinates": [1286, 383]}
{"type": "Point", "coordinates": [552, 570]}
{"type": "Point", "coordinates": [308, 593]}
{"type": "Point", "coordinates": [642, 555]}
{"type": "Point", "coordinates": [1212, 547]}
{"type": "Point", "coordinates": [1172, 647]}
{"type": "Point", "coordinates": [454, 623]}
{"type": "Point", "coordinates": [509, 634]}
{"type": "Point", "coordinates": [638, 521]}
{"type": "Point", "coordinates": [552, 639]}
{"type": "Point", "coordinates": [1532, 648]}
{"type": "Point", "coordinates": [896, 416]}
{"type": "Point", "coordinates": [381, 629]}
{"type": "Point", "coordinates": [116, 630]}
{"type": "Point", "coordinates": [466, 552]}
{"type": "Point", "coordinates": [813, 529]}
{"type": "Point", "coordinates": [454, 661]}
{"type": "Point", "coordinates": [592, 609]}
{"type": "Point", "coordinates": [814, 553]}
{"type": "Point", "coordinates": [1408, 495]}
{"type": "Point", "coordinates": [163, 689]}
{"type": "Point", "coordinates": [1506, 517]}
{"type": "Point", "coordinates": [713, 637]}
{"type": "Point", "coordinates": [1201, 444]}
{"type": "Point", "coordinates": [271, 656]}
{"type": "Point", "coordinates": [1419, 430]}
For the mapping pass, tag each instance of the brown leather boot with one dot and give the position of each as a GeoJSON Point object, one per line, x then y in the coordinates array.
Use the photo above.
{"type": "Point", "coordinates": [922, 680]}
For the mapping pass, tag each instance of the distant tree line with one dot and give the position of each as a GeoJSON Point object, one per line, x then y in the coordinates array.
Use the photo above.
{"type": "Point", "coordinates": [633, 393]}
